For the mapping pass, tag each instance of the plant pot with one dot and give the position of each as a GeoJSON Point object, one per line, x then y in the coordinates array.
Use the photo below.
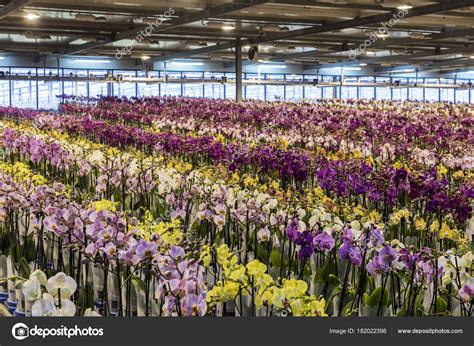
{"type": "Point", "coordinates": [3, 275]}
{"type": "Point", "coordinates": [243, 306]}
{"type": "Point", "coordinates": [113, 297]}
{"type": "Point", "coordinates": [11, 271]}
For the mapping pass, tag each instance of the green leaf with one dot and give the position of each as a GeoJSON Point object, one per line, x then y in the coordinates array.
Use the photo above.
{"type": "Point", "coordinates": [86, 296]}
{"type": "Point", "coordinates": [402, 312]}
{"type": "Point", "coordinates": [262, 253]}
{"type": "Point", "coordinates": [138, 283]}
{"type": "Point", "coordinates": [4, 241]}
{"type": "Point", "coordinates": [323, 274]}
{"type": "Point", "coordinates": [24, 268]}
{"type": "Point", "coordinates": [217, 238]}
{"type": "Point", "coordinates": [365, 299]}
{"type": "Point", "coordinates": [419, 303]}
{"type": "Point", "coordinates": [196, 225]}
{"type": "Point", "coordinates": [376, 296]}
{"type": "Point", "coordinates": [441, 305]}
{"type": "Point", "coordinates": [333, 279]}
{"type": "Point", "coordinates": [346, 310]}
{"type": "Point", "coordinates": [15, 253]}
{"type": "Point", "coordinates": [371, 283]}
{"type": "Point", "coordinates": [275, 258]}
{"type": "Point", "coordinates": [30, 249]}
{"type": "Point", "coordinates": [337, 290]}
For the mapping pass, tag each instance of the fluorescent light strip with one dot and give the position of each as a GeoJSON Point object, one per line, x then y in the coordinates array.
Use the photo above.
{"type": "Point", "coordinates": [2, 57]}
{"type": "Point", "coordinates": [183, 63]}
{"type": "Point", "coordinates": [404, 7]}
{"type": "Point", "coordinates": [403, 71]}
{"type": "Point", "coordinates": [348, 68]}
{"type": "Point", "coordinates": [31, 16]}
{"type": "Point", "coordinates": [93, 61]}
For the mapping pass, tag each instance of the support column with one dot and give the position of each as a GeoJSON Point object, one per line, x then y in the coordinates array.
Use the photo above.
{"type": "Point", "coordinates": [238, 70]}
{"type": "Point", "coordinates": [334, 88]}
{"type": "Point", "coordinates": [110, 86]}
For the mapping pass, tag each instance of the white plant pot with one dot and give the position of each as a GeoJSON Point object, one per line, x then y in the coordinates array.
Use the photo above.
{"type": "Point", "coordinates": [140, 303]}
{"type": "Point", "coordinates": [155, 307]}
{"type": "Point", "coordinates": [113, 296]}
{"type": "Point", "coordinates": [133, 301]}
{"type": "Point", "coordinates": [28, 306]}
{"type": "Point", "coordinates": [21, 307]}
{"type": "Point", "coordinates": [11, 271]}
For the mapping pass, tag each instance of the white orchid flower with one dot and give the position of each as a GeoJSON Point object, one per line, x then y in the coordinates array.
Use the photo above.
{"type": "Point", "coordinates": [67, 309]}
{"type": "Point", "coordinates": [313, 220]}
{"type": "Point", "coordinates": [301, 213]}
{"type": "Point", "coordinates": [44, 307]}
{"type": "Point", "coordinates": [31, 289]}
{"type": "Point", "coordinates": [91, 313]}
{"type": "Point", "coordinates": [40, 276]}
{"type": "Point", "coordinates": [61, 283]}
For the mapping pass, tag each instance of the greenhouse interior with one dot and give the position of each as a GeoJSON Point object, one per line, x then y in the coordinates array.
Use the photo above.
{"type": "Point", "coordinates": [247, 158]}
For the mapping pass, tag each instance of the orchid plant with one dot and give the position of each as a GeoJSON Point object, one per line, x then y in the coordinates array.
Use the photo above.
{"type": "Point", "coordinates": [191, 207]}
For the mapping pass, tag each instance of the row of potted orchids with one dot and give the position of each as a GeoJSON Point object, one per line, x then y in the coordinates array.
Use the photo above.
{"type": "Point", "coordinates": [148, 221]}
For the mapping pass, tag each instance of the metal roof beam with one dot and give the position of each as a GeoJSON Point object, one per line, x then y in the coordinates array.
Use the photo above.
{"type": "Point", "coordinates": [11, 7]}
{"type": "Point", "coordinates": [173, 23]}
{"type": "Point", "coordinates": [380, 44]}
{"type": "Point", "coordinates": [389, 58]}
{"type": "Point", "coordinates": [379, 18]}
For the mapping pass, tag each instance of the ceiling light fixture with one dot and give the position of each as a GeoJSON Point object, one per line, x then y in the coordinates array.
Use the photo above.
{"type": "Point", "coordinates": [349, 68]}
{"type": "Point", "coordinates": [403, 71]}
{"type": "Point", "coordinates": [420, 36]}
{"type": "Point", "coordinates": [31, 16]}
{"type": "Point", "coordinates": [404, 7]}
{"type": "Point", "coordinates": [186, 63]}
{"type": "Point", "coordinates": [228, 27]}
{"type": "Point", "coordinates": [145, 57]}
{"type": "Point", "coordinates": [93, 61]}
{"type": "Point", "coordinates": [362, 64]}
{"type": "Point", "coordinates": [220, 25]}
